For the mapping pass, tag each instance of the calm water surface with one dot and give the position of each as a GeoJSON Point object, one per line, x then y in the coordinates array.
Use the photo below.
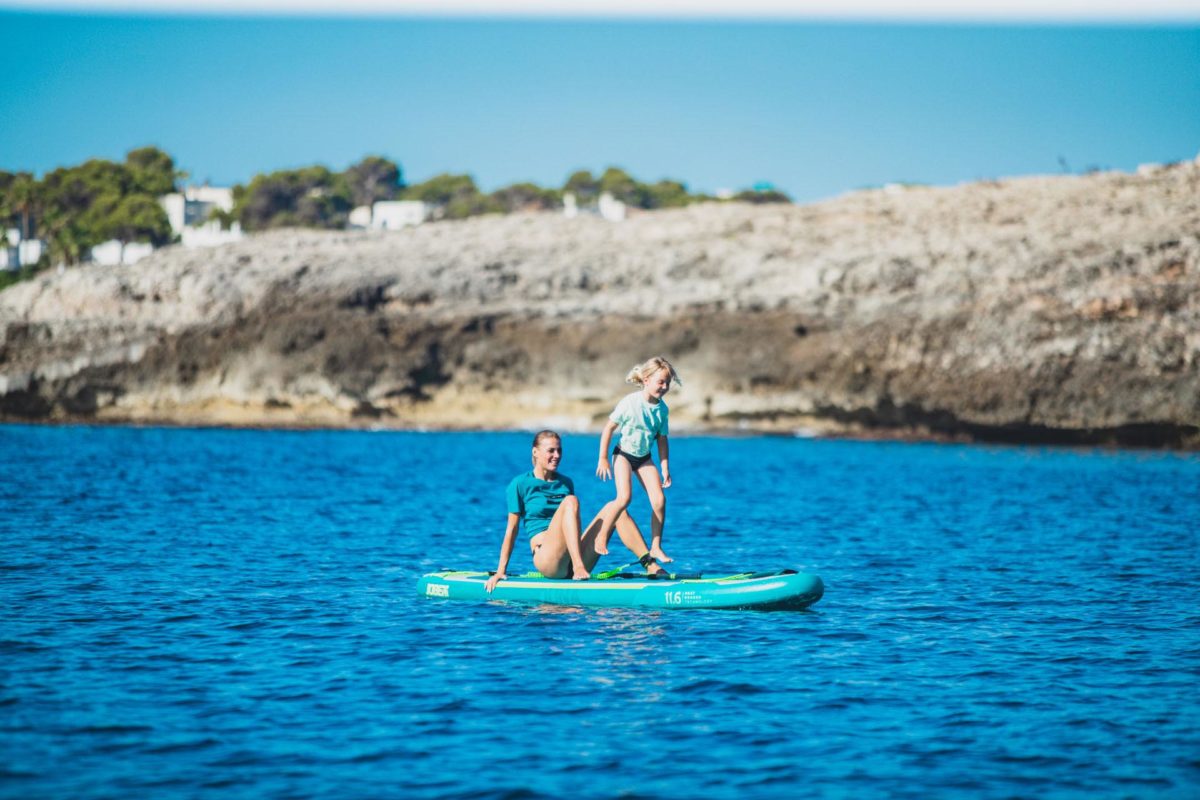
{"type": "Point", "coordinates": [233, 614]}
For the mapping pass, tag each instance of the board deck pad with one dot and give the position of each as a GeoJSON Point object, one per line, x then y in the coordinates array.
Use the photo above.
{"type": "Point", "coordinates": [779, 589]}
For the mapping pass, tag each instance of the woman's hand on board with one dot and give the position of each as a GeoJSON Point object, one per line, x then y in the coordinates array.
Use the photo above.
{"type": "Point", "coordinates": [492, 581]}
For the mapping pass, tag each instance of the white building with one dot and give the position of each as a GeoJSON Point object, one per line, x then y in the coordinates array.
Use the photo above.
{"type": "Point", "coordinates": [390, 215]}
{"type": "Point", "coordinates": [360, 217]}
{"type": "Point", "coordinates": [608, 207]}
{"type": "Point", "coordinates": [19, 252]}
{"type": "Point", "coordinates": [611, 208]}
{"type": "Point", "coordinates": [112, 252]}
{"type": "Point", "coordinates": [189, 212]}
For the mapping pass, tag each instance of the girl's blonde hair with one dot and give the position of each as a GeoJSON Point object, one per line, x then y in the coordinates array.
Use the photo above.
{"type": "Point", "coordinates": [640, 373]}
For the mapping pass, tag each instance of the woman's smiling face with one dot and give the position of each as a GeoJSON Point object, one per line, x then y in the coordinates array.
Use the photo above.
{"type": "Point", "coordinates": [548, 454]}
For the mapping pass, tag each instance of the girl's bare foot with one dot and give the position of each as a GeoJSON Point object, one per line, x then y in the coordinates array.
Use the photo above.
{"type": "Point", "coordinates": [581, 575]}
{"type": "Point", "coordinates": [601, 546]}
{"type": "Point", "coordinates": [658, 554]}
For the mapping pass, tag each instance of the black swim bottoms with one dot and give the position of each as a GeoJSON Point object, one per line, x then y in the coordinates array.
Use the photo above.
{"type": "Point", "coordinates": [634, 461]}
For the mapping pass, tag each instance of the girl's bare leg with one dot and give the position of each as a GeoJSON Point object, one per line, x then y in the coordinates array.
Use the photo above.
{"type": "Point", "coordinates": [627, 530]}
{"type": "Point", "coordinates": [623, 480]}
{"type": "Point", "coordinates": [561, 549]}
{"type": "Point", "coordinates": [631, 537]}
{"type": "Point", "coordinates": [652, 483]}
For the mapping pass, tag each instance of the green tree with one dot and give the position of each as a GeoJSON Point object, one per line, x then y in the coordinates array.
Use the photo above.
{"type": "Point", "coordinates": [131, 218]}
{"type": "Point", "coordinates": [667, 194]}
{"type": "Point", "coordinates": [624, 187]}
{"type": "Point", "coordinates": [585, 187]}
{"type": "Point", "coordinates": [761, 196]}
{"type": "Point", "coordinates": [20, 201]}
{"type": "Point", "coordinates": [373, 179]}
{"type": "Point", "coordinates": [526, 197]}
{"type": "Point", "coordinates": [310, 197]}
{"type": "Point", "coordinates": [441, 189]}
{"type": "Point", "coordinates": [621, 186]}
{"type": "Point", "coordinates": [471, 206]}
{"type": "Point", "coordinates": [72, 221]}
{"type": "Point", "coordinates": [151, 171]}
{"type": "Point", "coordinates": [65, 237]}
{"type": "Point", "coordinates": [453, 196]}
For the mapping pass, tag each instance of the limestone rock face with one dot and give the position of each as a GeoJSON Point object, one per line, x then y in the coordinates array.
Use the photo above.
{"type": "Point", "coordinates": [1045, 309]}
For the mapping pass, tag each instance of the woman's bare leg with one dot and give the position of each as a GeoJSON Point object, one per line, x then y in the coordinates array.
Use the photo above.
{"type": "Point", "coordinates": [652, 483]}
{"type": "Point", "coordinates": [561, 551]}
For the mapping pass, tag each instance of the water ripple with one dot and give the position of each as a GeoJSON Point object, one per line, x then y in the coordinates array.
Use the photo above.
{"type": "Point", "coordinates": [231, 614]}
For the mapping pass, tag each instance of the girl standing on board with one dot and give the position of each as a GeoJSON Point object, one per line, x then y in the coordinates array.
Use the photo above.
{"type": "Point", "coordinates": [642, 420]}
{"type": "Point", "coordinates": [546, 500]}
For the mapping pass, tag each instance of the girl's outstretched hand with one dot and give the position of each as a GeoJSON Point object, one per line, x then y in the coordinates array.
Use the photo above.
{"type": "Point", "coordinates": [666, 481]}
{"type": "Point", "coordinates": [492, 581]}
{"type": "Point", "coordinates": [603, 471]}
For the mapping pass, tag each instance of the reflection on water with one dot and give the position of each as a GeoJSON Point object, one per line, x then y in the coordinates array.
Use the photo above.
{"type": "Point", "coordinates": [233, 614]}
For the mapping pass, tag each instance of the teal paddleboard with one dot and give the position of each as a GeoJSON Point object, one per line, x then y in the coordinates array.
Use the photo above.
{"type": "Point", "coordinates": [783, 589]}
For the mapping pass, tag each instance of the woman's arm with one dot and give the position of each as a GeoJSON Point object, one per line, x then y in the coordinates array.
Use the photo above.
{"type": "Point", "coordinates": [664, 452]}
{"type": "Point", "coordinates": [506, 548]}
{"type": "Point", "coordinates": [603, 471]}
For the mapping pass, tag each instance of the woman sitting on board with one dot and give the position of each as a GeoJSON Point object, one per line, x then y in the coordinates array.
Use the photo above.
{"type": "Point", "coordinates": [546, 501]}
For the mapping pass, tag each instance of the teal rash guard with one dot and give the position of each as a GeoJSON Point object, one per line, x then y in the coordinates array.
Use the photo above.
{"type": "Point", "coordinates": [536, 500]}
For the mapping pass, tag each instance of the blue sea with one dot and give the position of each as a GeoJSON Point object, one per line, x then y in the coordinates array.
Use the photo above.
{"type": "Point", "coordinates": [233, 614]}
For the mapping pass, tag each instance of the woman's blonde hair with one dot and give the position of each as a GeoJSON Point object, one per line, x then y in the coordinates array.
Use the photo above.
{"type": "Point", "coordinates": [537, 440]}
{"type": "Point", "coordinates": [640, 373]}
{"type": "Point", "coordinates": [546, 434]}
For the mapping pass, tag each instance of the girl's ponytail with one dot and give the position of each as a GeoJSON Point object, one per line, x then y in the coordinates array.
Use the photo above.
{"type": "Point", "coordinates": [641, 372]}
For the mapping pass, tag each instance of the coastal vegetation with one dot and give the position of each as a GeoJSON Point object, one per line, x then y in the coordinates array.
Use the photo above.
{"type": "Point", "coordinates": [315, 197]}
{"type": "Point", "coordinates": [73, 209]}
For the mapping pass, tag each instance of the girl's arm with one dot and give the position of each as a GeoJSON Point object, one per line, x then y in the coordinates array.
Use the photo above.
{"type": "Point", "coordinates": [664, 451]}
{"type": "Point", "coordinates": [506, 548]}
{"type": "Point", "coordinates": [603, 471]}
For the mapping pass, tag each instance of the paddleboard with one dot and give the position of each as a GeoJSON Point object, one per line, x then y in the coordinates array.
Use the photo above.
{"type": "Point", "coordinates": [782, 589]}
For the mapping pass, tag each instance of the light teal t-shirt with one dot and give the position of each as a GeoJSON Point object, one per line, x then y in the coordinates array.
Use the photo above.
{"type": "Point", "coordinates": [640, 423]}
{"type": "Point", "coordinates": [536, 500]}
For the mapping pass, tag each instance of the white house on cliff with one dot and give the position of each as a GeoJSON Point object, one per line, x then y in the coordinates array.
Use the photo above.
{"type": "Point", "coordinates": [390, 215]}
{"type": "Point", "coordinates": [190, 215]}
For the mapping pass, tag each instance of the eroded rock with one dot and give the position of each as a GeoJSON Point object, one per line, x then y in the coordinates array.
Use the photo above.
{"type": "Point", "coordinates": [1046, 309]}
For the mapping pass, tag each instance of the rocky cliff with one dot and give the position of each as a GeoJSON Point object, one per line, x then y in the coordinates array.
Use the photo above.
{"type": "Point", "coordinates": [1045, 309]}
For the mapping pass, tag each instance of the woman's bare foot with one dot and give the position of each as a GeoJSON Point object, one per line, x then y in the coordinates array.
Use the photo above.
{"type": "Point", "coordinates": [658, 554]}
{"type": "Point", "coordinates": [601, 546]}
{"type": "Point", "coordinates": [581, 575]}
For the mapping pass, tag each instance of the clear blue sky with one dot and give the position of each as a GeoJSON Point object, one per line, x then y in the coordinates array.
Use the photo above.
{"type": "Point", "coordinates": [817, 108]}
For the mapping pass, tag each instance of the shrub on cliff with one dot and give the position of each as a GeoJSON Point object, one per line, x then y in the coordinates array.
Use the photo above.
{"type": "Point", "coordinates": [761, 196]}
{"type": "Point", "coordinates": [312, 197]}
{"type": "Point", "coordinates": [585, 187]}
{"type": "Point", "coordinates": [526, 197]}
{"type": "Point", "coordinates": [630, 191]}
{"type": "Point", "coordinates": [373, 179]}
{"type": "Point", "coordinates": [453, 197]}
{"type": "Point", "coordinates": [20, 201]}
{"type": "Point", "coordinates": [77, 208]}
